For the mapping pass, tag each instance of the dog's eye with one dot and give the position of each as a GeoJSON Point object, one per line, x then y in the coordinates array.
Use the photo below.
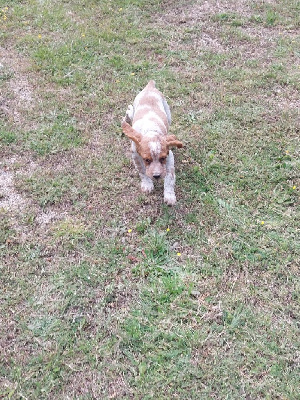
{"type": "Point", "coordinates": [162, 160]}
{"type": "Point", "coordinates": [147, 161]}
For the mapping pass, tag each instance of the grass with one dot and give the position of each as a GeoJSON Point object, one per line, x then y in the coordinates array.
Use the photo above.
{"type": "Point", "coordinates": [107, 293]}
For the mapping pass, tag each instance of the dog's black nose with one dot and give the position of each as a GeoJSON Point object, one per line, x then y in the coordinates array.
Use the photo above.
{"type": "Point", "coordinates": [156, 176]}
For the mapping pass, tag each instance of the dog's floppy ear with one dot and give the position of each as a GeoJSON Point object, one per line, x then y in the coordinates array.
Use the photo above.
{"type": "Point", "coordinates": [130, 132]}
{"type": "Point", "coordinates": [172, 141]}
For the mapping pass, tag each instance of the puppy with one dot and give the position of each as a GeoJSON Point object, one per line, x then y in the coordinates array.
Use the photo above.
{"type": "Point", "coordinates": [146, 123]}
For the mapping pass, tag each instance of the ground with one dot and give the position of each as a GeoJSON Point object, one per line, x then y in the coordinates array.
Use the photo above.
{"type": "Point", "coordinates": [107, 293]}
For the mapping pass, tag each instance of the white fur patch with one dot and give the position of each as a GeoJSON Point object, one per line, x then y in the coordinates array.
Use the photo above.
{"type": "Point", "coordinates": [150, 122]}
{"type": "Point", "coordinates": [169, 194]}
{"type": "Point", "coordinates": [129, 114]}
{"type": "Point", "coordinates": [149, 95]}
{"type": "Point", "coordinates": [170, 198]}
{"type": "Point", "coordinates": [155, 148]}
{"type": "Point", "coordinates": [146, 184]}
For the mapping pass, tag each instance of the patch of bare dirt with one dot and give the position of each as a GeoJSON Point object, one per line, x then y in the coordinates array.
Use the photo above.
{"type": "Point", "coordinates": [284, 99]}
{"type": "Point", "coordinates": [9, 198]}
{"type": "Point", "coordinates": [189, 23]}
{"type": "Point", "coordinates": [20, 103]}
{"type": "Point", "coordinates": [93, 383]}
{"type": "Point", "coordinates": [17, 98]}
{"type": "Point", "coordinates": [197, 12]}
{"type": "Point", "coordinates": [17, 204]}
{"type": "Point", "coordinates": [47, 217]}
{"type": "Point", "coordinates": [194, 28]}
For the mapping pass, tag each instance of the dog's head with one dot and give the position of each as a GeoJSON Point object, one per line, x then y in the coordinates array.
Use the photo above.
{"type": "Point", "coordinates": [154, 150]}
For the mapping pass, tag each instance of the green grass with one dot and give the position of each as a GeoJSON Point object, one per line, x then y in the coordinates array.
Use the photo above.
{"type": "Point", "coordinates": [6, 136]}
{"type": "Point", "coordinates": [107, 293]}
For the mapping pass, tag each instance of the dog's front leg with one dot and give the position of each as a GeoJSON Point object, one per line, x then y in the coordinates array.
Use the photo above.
{"type": "Point", "coordinates": [146, 182]}
{"type": "Point", "coordinates": [169, 184]}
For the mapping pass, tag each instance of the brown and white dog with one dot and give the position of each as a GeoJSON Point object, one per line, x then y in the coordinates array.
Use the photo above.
{"type": "Point", "coordinates": [146, 123]}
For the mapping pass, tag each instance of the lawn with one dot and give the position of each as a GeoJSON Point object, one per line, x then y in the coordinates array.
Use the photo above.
{"type": "Point", "coordinates": [107, 293]}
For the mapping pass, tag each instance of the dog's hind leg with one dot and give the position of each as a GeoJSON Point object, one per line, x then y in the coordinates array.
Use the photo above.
{"type": "Point", "coordinates": [129, 114]}
{"type": "Point", "coordinates": [167, 110]}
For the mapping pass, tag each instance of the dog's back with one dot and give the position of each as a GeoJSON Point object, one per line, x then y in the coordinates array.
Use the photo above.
{"type": "Point", "coordinates": [151, 111]}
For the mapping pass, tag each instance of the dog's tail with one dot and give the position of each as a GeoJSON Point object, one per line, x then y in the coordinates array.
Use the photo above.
{"type": "Point", "coordinates": [151, 84]}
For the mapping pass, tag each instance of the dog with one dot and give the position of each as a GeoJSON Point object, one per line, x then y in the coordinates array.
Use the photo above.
{"type": "Point", "coordinates": [146, 123]}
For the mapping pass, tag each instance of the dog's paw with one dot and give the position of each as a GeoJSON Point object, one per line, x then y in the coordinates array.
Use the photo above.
{"type": "Point", "coordinates": [170, 198]}
{"type": "Point", "coordinates": [147, 185]}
